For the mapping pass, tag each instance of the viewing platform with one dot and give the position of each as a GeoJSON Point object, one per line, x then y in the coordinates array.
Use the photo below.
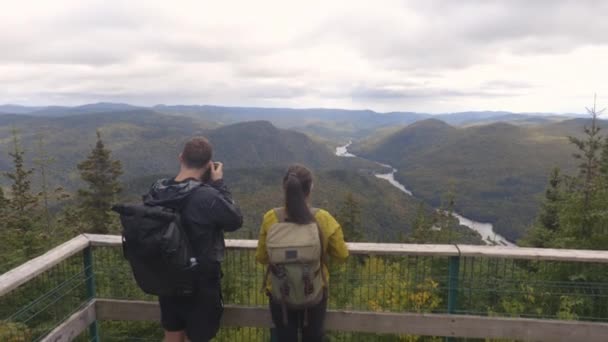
{"type": "Point", "coordinates": [83, 290]}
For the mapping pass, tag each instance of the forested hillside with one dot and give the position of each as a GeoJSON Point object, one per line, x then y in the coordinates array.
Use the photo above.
{"type": "Point", "coordinates": [147, 143]}
{"type": "Point", "coordinates": [498, 171]}
{"type": "Point", "coordinates": [55, 189]}
{"type": "Point", "coordinates": [47, 184]}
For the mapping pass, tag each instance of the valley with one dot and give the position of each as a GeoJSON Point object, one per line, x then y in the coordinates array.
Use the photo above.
{"type": "Point", "coordinates": [485, 230]}
{"type": "Point", "coordinates": [495, 163]}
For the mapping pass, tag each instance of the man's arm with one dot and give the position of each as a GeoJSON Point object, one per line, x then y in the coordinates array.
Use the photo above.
{"type": "Point", "coordinates": [224, 211]}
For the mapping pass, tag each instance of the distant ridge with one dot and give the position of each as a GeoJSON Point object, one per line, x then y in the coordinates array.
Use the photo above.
{"type": "Point", "coordinates": [451, 118]}
{"type": "Point", "coordinates": [17, 109]}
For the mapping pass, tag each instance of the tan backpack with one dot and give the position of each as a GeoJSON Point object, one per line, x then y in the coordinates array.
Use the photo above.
{"type": "Point", "coordinates": [295, 266]}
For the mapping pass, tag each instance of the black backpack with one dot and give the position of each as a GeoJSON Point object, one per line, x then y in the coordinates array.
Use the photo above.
{"type": "Point", "coordinates": [158, 249]}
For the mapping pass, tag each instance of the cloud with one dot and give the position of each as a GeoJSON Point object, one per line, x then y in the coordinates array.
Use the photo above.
{"type": "Point", "coordinates": [426, 93]}
{"type": "Point", "coordinates": [506, 84]}
{"type": "Point", "coordinates": [418, 55]}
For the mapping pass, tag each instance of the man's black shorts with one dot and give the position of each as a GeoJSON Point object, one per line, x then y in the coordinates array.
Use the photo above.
{"type": "Point", "coordinates": [199, 315]}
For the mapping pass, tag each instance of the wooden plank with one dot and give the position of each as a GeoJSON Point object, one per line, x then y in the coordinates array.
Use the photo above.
{"type": "Point", "coordinates": [29, 270]}
{"type": "Point", "coordinates": [354, 248]}
{"type": "Point", "coordinates": [389, 323]}
{"type": "Point", "coordinates": [547, 254]}
{"type": "Point", "coordinates": [367, 248]}
{"type": "Point", "coordinates": [241, 244]}
{"type": "Point", "coordinates": [127, 310]}
{"type": "Point", "coordinates": [73, 326]}
{"type": "Point", "coordinates": [124, 310]}
{"type": "Point", "coordinates": [104, 240]}
{"type": "Point", "coordinates": [364, 248]}
{"type": "Point", "coordinates": [467, 326]}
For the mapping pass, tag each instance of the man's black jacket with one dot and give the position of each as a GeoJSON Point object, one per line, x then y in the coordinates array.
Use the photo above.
{"type": "Point", "coordinates": [207, 210]}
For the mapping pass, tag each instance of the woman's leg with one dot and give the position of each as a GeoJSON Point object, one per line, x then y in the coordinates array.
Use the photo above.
{"type": "Point", "coordinates": [315, 330]}
{"type": "Point", "coordinates": [285, 333]}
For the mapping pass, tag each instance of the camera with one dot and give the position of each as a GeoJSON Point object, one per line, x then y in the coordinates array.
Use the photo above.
{"type": "Point", "coordinates": [207, 175]}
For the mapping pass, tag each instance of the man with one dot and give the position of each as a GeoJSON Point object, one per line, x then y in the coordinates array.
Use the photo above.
{"type": "Point", "coordinates": [207, 210]}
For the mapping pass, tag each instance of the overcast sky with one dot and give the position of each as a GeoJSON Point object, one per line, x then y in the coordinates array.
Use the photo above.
{"type": "Point", "coordinates": [425, 56]}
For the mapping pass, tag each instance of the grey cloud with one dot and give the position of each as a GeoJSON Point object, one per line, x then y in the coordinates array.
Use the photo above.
{"type": "Point", "coordinates": [276, 92]}
{"type": "Point", "coordinates": [97, 15]}
{"type": "Point", "coordinates": [126, 52]}
{"type": "Point", "coordinates": [420, 93]}
{"type": "Point", "coordinates": [505, 84]}
{"type": "Point", "coordinates": [252, 70]}
{"type": "Point", "coordinates": [458, 34]}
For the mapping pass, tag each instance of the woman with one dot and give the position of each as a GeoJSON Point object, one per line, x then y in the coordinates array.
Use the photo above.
{"type": "Point", "coordinates": [297, 186]}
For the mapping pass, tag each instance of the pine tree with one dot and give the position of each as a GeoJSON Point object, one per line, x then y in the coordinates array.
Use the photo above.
{"type": "Point", "coordinates": [349, 217]}
{"type": "Point", "coordinates": [604, 164]}
{"type": "Point", "coordinates": [421, 227]}
{"type": "Point", "coordinates": [101, 174]}
{"type": "Point", "coordinates": [547, 225]}
{"type": "Point", "coordinates": [22, 201]}
{"type": "Point", "coordinates": [445, 217]}
{"type": "Point", "coordinates": [3, 203]}
{"type": "Point", "coordinates": [43, 161]}
{"type": "Point", "coordinates": [549, 215]}
{"type": "Point", "coordinates": [574, 213]}
{"type": "Point", "coordinates": [589, 164]}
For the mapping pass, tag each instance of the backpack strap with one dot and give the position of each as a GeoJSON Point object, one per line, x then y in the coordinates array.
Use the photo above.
{"type": "Point", "coordinates": [178, 212]}
{"type": "Point", "coordinates": [281, 214]}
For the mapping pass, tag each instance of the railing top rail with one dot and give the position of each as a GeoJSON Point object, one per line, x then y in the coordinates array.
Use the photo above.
{"type": "Point", "coordinates": [365, 248]}
{"type": "Point", "coordinates": [30, 269]}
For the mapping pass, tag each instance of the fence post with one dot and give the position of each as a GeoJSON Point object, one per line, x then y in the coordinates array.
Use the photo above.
{"type": "Point", "coordinates": [90, 283]}
{"type": "Point", "coordinates": [453, 270]}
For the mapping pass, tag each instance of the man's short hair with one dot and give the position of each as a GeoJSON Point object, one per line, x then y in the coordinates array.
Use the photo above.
{"type": "Point", "coordinates": [197, 153]}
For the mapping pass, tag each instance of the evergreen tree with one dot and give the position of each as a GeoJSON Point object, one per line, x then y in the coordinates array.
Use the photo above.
{"type": "Point", "coordinates": [43, 161]}
{"type": "Point", "coordinates": [22, 202]}
{"type": "Point", "coordinates": [549, 215]}
{"type": "Point", "coordinates": [604, 164]}
{"type": "Point", "coordinates": [544, 230]}
{"type": "Point", "coordinates": [445, 218]}
{"type": "Point", "coordinates": [588, 152]}
{"type": "Point", "coordinates": [3, 201]}
{"type": "Point", "coordinates": [101, 174]}
{"type": "Point", "coordinates": [574, 213]}
{"type": "Point", "coordinates": [421, 227]}
{"type": "Point", "coordinates": [349, 217]}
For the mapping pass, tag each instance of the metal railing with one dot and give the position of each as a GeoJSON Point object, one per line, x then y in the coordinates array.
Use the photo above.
{"type": "Point", "coordinates": [84, 289]}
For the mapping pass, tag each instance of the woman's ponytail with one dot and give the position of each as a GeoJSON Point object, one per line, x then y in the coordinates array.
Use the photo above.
{"type": "Point", "coordinates": [297, 184]}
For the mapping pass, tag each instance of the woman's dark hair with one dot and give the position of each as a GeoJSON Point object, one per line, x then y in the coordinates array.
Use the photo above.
{"type": "Point", "coordinates": [297, 184]}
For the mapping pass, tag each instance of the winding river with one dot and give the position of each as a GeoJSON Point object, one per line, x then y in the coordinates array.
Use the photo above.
{"type": "Point", "coordinates": [486, 230]}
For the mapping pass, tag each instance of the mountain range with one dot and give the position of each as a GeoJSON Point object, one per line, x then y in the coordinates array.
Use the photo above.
{"type": "Point", "coordinates": [328, 124]}
{"type": "Point", "coordinates": [496, 163]}
{"type": "Point", "coordinates": [498, 171]}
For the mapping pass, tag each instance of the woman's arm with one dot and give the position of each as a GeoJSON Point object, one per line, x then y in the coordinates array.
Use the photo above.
{"type": "Point", "coordinates": [261, 254]}
{"type": "Point", "coordinates": [336, 247]}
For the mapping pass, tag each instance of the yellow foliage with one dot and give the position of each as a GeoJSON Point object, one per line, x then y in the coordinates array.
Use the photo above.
{"type": "Point", "coordinates": [386, 291]}
{"type": "Point", "coordinates": [14, 332]}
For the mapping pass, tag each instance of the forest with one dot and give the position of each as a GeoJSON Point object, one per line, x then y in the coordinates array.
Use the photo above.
{"type": "Point", "coordinates": [39, 215]}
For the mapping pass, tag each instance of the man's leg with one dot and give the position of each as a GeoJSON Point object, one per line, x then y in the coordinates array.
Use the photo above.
{"type": "Point", "coordinates": [174, 336]}
{"type": "Point", "coordinates": [204, 319]}
{"type": "Point", "coordinates": [172, 310]}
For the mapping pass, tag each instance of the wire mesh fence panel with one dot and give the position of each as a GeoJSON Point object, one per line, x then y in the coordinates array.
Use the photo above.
{"type": "Point", "coordinates": [533, 289]}
{"type": "Point", "coordinates": [393, 284]}
{"type": "Point", "coordinates": [31, 311]}
{"type": "Point", "coordinates": [483, 286]}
